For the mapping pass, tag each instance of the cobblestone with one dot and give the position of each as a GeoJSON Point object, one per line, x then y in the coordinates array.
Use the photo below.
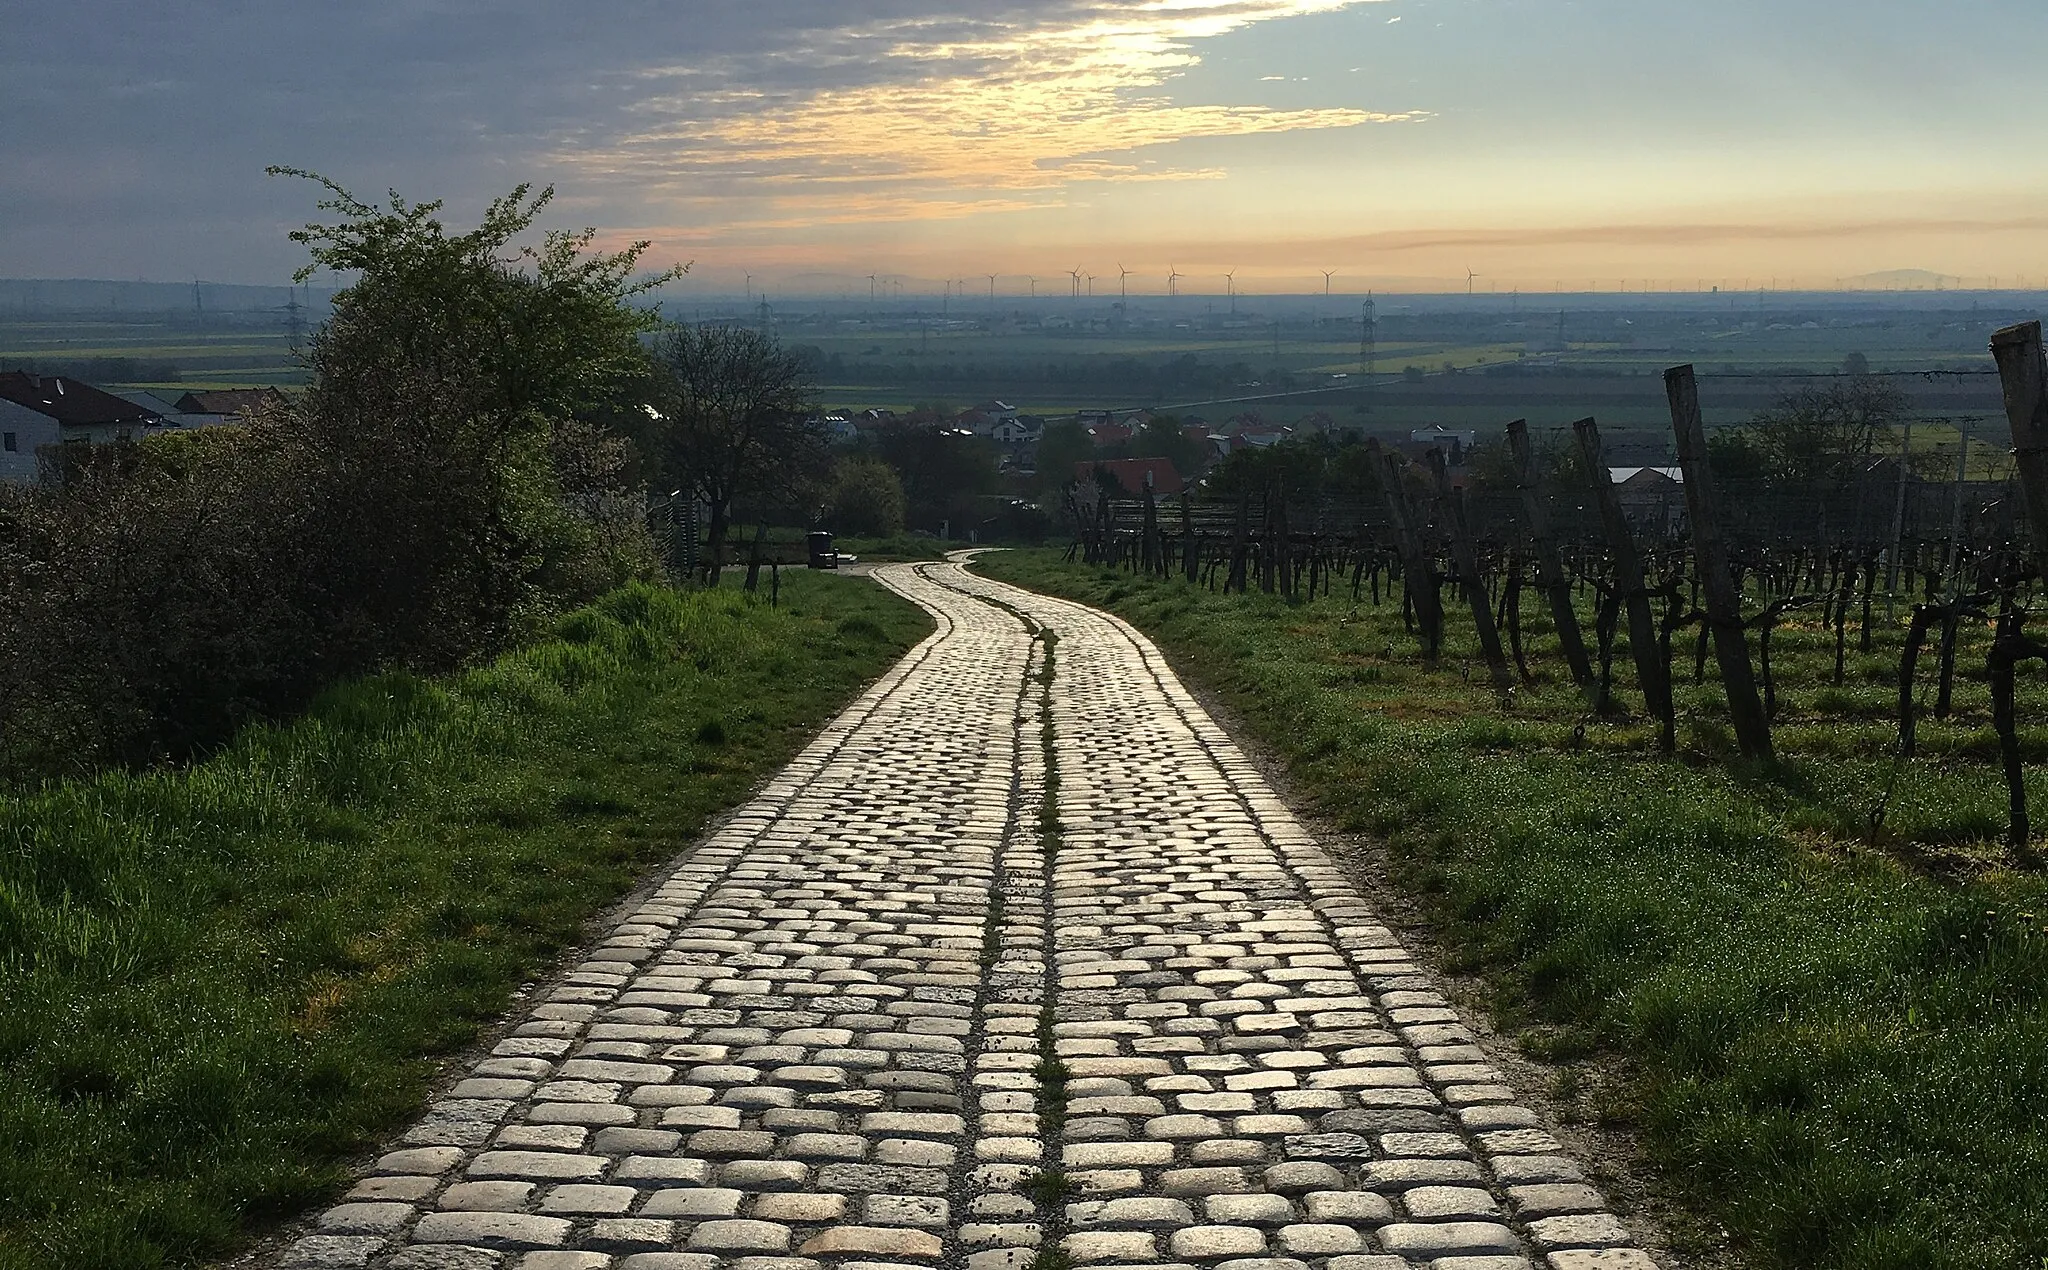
{"type": "Point", "coordinates": [817, 1043]}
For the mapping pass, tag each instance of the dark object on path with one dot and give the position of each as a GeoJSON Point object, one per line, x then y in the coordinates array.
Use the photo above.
{"type": "Point", "coordinates": [823, 554]}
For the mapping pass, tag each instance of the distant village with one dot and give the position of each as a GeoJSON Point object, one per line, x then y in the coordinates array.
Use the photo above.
{"type": "Point", "coordinates": [41, 414]}
{"type": "Point", "coordinates": [1017, 439]}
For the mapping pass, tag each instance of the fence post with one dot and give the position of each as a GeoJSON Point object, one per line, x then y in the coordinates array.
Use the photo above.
{"type": "Point", "coordinates": [1895, 549]}
{"type": "Point", "coordinates": [1724, 605]}
{"type": "Point", "coordinates": [1549, 568]}
{"type": "Point", "coordinates": [1451, 513]}
{"type": "Point", "coordinates": [1190, 552]}
{"type": "Point", "coordinates": [1151, 548]}
{"type": "Point", "coordinates": [1651, 670]}
{"type": "Point", "coordinates": [1236, 578]}
{"type": "Point", "coordinates": [2025, 378]}
{"type": "Point", "coordinates": [1419, 577]}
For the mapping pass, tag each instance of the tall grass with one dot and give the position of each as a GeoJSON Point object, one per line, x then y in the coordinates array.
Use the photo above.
{"type": "Point", "coordinates": [1839, 1036]}
{"type": "Point", "coordinates": [217, 983]}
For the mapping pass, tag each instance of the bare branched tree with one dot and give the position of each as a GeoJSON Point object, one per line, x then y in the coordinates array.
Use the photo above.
{"type": "Point", "coordinates": [731, 418]}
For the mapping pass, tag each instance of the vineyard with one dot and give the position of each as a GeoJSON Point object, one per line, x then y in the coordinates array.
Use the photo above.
{"type": "Point", "coordinates": [1856, 595]}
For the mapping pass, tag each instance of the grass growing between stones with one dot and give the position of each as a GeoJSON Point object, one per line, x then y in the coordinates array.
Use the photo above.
{"type": "Point", "coordinates": [218, 984]}
{"type": "Point", "coordinates": [1050, 1189]}
{"type": "Point", "coordinates": [1838, 1038]}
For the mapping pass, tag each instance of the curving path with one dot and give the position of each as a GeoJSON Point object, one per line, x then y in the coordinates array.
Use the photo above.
{"type": "Point", "coordinates": [1019, 960]}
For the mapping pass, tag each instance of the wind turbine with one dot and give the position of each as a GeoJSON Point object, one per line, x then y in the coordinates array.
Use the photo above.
{"type": "Point", "coordinates": [991, 288]}
{"type": "Point", "coordinates": [1122, 288]}
{"type": "Point", "coordinates": [1075, 274]}
{"type": "Point", "coordinates": [1230, 287]}
{"type": "Point", "coordinates": [1091, 286]}
{"type": "Point", "coordinates": [1173, 277]}
{"type": "Point", "coordinates": [1034, 285]}
{"type": "Point", "coordinates": [1469, 276]}
{"type": "Point", "coordinates": [871, 288]}
{"type": "Point", "coordinates": [1327, 275]}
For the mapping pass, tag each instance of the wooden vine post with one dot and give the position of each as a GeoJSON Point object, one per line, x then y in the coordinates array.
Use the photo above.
{"type": "Point", "coordinates": [2023, 373]}
{"type": "Point", "coordinates": [1149, 548]}
{"type": "Point", "coordinates": [1419, 576]}
{"type": "Point", "coordinates": [1724, 605]}
{"type": "Point", "coordinates": [2021, 370]}
{"type": "Point", "coordinates": [1451, 514]}
{"type": "Point", "coordinates": [1643, 644]}
{"type": "Point", "coordinates": [1557, 584]}
{"type": "Point", "coordinates": [1235, 578]}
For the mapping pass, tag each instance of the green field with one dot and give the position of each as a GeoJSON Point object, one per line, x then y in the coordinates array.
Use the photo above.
{"type": "Point", "coordinates": [1831, 1032]}
{"type": "Point", "coordinates": [205, 356]}
{"type": "Point", "coordinates": [219, 984]}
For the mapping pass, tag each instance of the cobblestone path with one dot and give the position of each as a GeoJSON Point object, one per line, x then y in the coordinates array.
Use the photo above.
{"type": "Point", "coordinates": [1019, 960]}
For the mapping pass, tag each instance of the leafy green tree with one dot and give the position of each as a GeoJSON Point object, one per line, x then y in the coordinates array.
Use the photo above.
{"type": "Point", "coordinates": [1160, 437]}
{"type": "Point", "coordinates": [866, 498]}
{"type": "Point", "coordinates": [1063, 444]}
{"type": "Point", "coordinates": [441, 387]}
{"type": "Point", "coordinates": [946, 473]}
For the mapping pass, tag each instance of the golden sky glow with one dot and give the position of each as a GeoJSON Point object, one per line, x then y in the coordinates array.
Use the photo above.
{"type": "Point", "coordinates": [1148, 135]}
{"type": "Point", "coordinates": [1401, 143]}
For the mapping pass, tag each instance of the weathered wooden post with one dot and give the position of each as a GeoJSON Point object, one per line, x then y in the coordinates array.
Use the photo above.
{"type": "Point", "coordinates": [1283, 544]}
{"type": "Point", "coordinates": [1651, 670]}
{"type": "Point", "coordinates": [1895, 547]}
{"type": "Point", "coordinates": [1549, 568]}
{"type": "Point", "coordinates": [1451, 514]}
{"type": "Point", "coordinates": [1236, 578]}
{"type": "Point", "coordinates": [1190, 549]}
{"type": "Point", "coordinates": [1710, 553]}
{"type": "Point", "coordinates": [1151, 549]}
{"type": "Point", "coordinates": [2024, 375]}
{"type": "Point", "coordinates": [1418, 577]}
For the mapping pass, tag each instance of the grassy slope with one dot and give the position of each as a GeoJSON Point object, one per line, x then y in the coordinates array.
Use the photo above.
{"type": "Point", "coordinates": [1842, 1051]}
{"type": "Point", "coordinates": [218, 984]}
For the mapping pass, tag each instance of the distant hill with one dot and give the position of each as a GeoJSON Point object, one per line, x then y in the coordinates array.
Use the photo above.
{"type": "Point", "coordinates": [1907, 280]}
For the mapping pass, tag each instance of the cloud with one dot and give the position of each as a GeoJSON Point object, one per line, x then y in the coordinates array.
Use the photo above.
{"type": "Point", "coordinates": [913, 112]}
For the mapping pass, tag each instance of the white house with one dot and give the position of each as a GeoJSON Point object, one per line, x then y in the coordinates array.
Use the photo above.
{"type": "Point", "coordinates": [38, 411]}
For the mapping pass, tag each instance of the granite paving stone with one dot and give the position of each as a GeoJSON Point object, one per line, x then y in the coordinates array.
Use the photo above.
{"type": "Point", "coordinates": [819, 1041]}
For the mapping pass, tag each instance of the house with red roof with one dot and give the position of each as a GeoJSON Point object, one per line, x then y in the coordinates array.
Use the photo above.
{"type": "Point", "coordinates": [1133, 476]}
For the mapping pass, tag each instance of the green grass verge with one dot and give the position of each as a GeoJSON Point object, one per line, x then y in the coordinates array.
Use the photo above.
{"type": "Point", "coordinates": [1838, 1041]}
{"type": "Point", "coordinates": [219, 984]}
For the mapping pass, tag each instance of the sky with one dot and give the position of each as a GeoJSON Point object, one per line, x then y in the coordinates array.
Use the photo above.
{"type": "Point", "coordinates": [1526, 145]}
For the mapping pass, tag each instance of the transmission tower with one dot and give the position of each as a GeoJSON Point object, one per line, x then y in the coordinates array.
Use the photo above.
{"type": "Point", "coordinates": [1369, 347]}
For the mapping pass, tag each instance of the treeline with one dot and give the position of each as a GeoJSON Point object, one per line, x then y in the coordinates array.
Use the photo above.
{"type": "Point", "coordinates": [103, 370]}
{"type": "Point", "coordinates": [1184, 375]}
{"type": "Point", "coordinates": [469, 459]}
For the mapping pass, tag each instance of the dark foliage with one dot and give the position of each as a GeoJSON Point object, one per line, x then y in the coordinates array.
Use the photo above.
{"type": "Point", "coordinates": [431, 498]}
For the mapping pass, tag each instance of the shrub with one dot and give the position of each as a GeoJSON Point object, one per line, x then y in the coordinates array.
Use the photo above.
{"type": "Point", "coordinates": [437, 495]}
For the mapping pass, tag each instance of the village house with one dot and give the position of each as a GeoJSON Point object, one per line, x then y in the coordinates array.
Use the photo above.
{"type": "Point", "coordinates": [1132, 476]}
{"type": "Point", "coordinates": [43, 412]}
{"type": "Point", "coordinates": [228, 403]}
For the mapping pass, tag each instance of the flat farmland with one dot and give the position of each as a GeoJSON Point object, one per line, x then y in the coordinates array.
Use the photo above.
{"type": "Point", "coordinates": [134, 354]}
